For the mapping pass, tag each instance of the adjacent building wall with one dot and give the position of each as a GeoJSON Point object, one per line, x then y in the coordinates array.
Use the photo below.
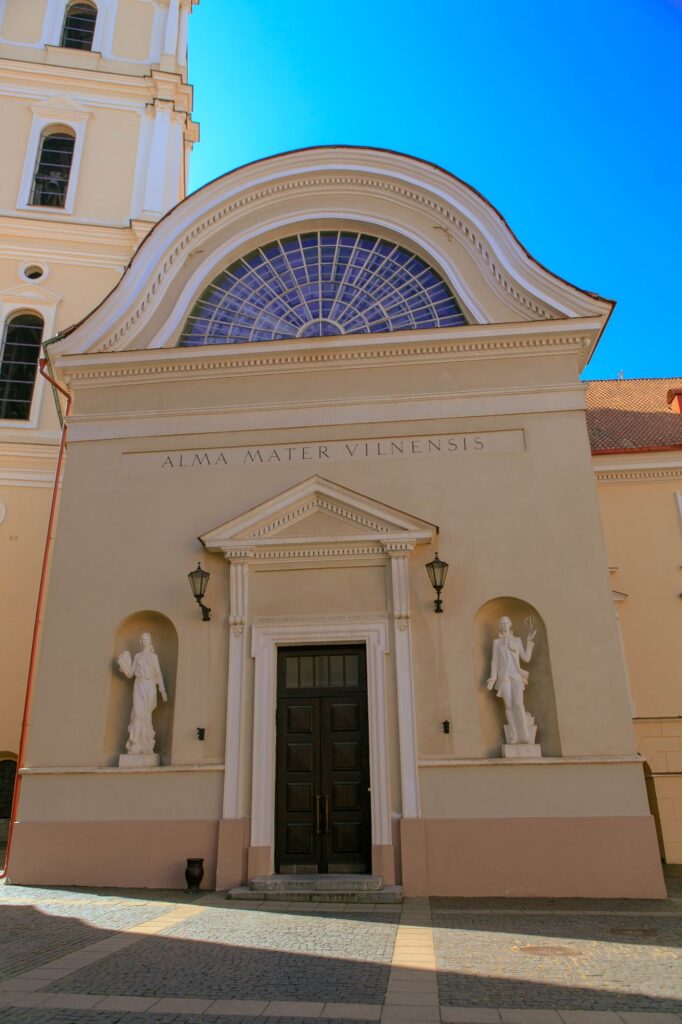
{"type": "Point", "coordinates": [639, 497]}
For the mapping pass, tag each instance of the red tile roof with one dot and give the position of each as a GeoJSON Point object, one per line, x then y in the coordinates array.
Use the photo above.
{"type": "Point", "coordinates": [633, 415]}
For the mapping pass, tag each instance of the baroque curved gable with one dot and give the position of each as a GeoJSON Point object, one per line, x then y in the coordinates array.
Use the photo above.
{"type": "Point", "coordinates": [406, 202]}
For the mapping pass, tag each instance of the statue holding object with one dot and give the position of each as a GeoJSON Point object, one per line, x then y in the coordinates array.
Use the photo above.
{"type": "Point", "coordinates": [509, 681]}
{"type": "Point", "coordinates": [144, 668]}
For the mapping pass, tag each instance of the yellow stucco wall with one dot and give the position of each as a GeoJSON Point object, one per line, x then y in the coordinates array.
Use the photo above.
{"type": "Point", "coordinates": [133, 33]}
{"type": "Point", "coordinates": [643, 529]}
{"type": "Point", "coordinates": [23, 21]}
{"type": "Point", "coordinates": [22, 535]}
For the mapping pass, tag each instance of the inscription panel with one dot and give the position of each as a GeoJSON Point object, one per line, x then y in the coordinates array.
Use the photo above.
{"type": "Point", "coordinates": [323, 452]}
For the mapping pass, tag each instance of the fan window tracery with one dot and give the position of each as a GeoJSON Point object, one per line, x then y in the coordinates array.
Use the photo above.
{"type": "Point", "coordinates": [319, 284]}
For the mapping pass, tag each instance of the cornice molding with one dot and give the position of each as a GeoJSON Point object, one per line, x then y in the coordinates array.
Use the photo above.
{"type": "Point", "coordinates": [26, 449]}
{"type": "Point", "coordinates": [635, 474]}
{"type": "Point", "coordinates": [39, 76]}
{"type": "Point", "coordinates": [260, 533]}
{"type": "Point", "coordinates": [26, 478]}
{"type": "Point", "coordinates": [478, 342]}
{"type": "Point", "coordinates": [338, 174]}
{"type": "Point", "coordinates": [19, 226]}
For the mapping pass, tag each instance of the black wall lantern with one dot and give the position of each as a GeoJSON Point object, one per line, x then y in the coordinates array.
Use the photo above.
{"type": "Point", "coordinates": [198, 581]}
{"type": "Point", "coordinates": [437, 570]}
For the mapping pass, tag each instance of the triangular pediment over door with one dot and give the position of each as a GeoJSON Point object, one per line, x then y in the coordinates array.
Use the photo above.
{"type": "Point", "coordinates": [320, 519]}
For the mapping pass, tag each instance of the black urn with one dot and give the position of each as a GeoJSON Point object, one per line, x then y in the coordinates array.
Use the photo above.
{"type": "Point", "coordinates": [194, 872]}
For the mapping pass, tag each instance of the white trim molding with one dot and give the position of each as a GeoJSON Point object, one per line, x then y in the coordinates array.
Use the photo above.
{"type": "Point", "coordinates": [402, 639]}
{"type": "Point", "coordinates": [359, 528]}
{"type": "Point", "coordinates": [264, 642]}
{"type": "Point", "coordinates": [423, 204]}
{"type": "Point", "coordinates": [102, 42]}
{"type": "Point", "coordinates": [239, 581]}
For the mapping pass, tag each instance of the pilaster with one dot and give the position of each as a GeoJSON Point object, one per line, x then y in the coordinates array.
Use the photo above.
{"type": "Point", "coordinates": [402, 639]}
{"type": "Point", "coordinates": [239, 580]}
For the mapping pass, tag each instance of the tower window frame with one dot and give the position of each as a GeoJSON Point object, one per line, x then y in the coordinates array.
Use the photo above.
{"type": "Point", "coordinates": [54, 166]}
{"type": "Point", "coordinates": [50, 119]}
{"type": "Point", "coordinates": [79, 25]}
{"type": "Point", "coordinates": [23, 331]}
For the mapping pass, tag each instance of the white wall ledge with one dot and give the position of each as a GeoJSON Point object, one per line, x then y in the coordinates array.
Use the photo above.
{"type": "Point", "coordinates": [113, 770]}
{"type": "Point", "coordinates": [484, 762]}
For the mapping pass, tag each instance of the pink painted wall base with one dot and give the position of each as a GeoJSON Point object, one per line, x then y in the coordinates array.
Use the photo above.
{"type": "Point", "coordinates": [587, 857]}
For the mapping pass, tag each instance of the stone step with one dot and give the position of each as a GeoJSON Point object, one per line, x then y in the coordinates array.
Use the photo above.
{"type": "Point", "coordinates": [317, 883]}
{"type": "Point", "coordinates": [390, 894]}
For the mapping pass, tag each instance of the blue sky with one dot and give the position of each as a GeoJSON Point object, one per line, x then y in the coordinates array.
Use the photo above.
{"type": "Point", "coordinates": [566, 116]}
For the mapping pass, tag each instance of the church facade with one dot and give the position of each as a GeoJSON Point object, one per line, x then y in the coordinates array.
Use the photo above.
{"type": "Point", "coordinates": [334, 378]}
{"type": "Point", "coordinates": [320, 371]}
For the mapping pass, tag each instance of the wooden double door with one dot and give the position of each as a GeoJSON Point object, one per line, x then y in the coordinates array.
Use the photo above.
{"type": "Point", "coordinates": [323, 799]}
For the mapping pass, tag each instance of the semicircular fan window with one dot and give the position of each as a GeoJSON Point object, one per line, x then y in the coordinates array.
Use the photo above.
{"type": "Point", "coordinates": [317, 284]}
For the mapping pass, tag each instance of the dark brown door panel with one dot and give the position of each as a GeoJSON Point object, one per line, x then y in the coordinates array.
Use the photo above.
{"type": "Point", "coordinates": [323, 805]}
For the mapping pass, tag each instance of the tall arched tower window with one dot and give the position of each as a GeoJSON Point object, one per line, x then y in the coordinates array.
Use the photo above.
{"type": "Point", "coordinates": [18, 364]}
{"type": "Point", "coordinates": [79, 26]}
{"type": "Point", "coordinates": [53, 168]}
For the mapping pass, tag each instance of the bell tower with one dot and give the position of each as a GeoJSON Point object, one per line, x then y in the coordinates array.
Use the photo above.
{"type": "Point", "coordinates": [96, 110]}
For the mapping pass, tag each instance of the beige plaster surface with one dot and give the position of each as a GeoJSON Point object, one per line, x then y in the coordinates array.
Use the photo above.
{"type": "Point", "coordinates": [533, 791]}
{"type": "Point", "coordinates": [162, 795]}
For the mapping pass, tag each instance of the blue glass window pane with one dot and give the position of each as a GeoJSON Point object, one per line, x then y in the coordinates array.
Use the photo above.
{"type": "Point", "coordinates": [320, 284]}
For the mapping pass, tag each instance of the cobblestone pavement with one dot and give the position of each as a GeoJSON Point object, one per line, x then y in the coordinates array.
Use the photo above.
{"type": "Point", "coordinates": [259, 954]}
{"type": "Point", "coordinates": [39, 925]}
{"type": "Point", "coordinates": [110, 957]}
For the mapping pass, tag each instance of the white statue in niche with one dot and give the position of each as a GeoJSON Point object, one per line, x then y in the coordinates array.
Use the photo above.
{"type": "Point", "coordinates": [510, 680]}
{"type": "Point", "coordinates": [144, 668]}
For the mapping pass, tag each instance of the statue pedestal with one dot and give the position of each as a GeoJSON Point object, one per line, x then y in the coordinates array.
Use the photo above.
{"type": "Point", "coordinates": [521, 750]}
{"type": "Point", "coordinates": [139, 761]}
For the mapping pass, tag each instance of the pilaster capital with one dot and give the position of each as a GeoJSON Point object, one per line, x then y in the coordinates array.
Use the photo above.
{"type": "Point", "coordinates": [398, 548]}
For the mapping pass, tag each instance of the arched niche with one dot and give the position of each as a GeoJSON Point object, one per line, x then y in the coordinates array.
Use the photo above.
{"type": "Point", "coordinates": [127, 638]}
{"type": "Point", "coordinates": [539, 693]}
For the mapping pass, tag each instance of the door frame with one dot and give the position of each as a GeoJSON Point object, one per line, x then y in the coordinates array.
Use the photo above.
{"type": "Point", "coordinates": [264, 643]}
{"type": "Point", "coordinates": [322, 695]}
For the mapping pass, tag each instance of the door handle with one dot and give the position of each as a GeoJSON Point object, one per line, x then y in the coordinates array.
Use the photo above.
{"type": "Point", "coordinates": [318, 816]}
{"type": "Point", "coordinates": [326, 815]}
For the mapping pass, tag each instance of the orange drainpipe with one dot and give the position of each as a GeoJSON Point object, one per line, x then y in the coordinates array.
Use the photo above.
{"type": "Point", "coordinates": [42, 363]}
